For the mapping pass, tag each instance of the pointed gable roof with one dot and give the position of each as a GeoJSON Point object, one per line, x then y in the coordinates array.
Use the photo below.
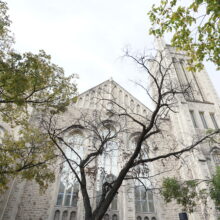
{"type": "Point", "coordinates": [110, 89]}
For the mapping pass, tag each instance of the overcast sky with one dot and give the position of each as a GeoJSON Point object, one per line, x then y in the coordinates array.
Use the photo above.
{"type": "Point", "coordinates": [87, 37]}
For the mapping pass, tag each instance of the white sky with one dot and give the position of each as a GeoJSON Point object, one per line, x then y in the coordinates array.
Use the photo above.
{"type": "Point", "coordinates": [87, 37]}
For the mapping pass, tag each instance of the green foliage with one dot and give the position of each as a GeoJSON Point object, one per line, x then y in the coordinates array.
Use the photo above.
{"type": "Point", "coordinates": [187, 193]}
{"type": "Point", "coordinates": [215, 188]}
{"type": "Point", "coordinates": [32, 80]}
{"type": "Point", "coordinates": [184, 193]}
{"type": "Point", "coordinates": [195, 32]}
{"type": "Point", "coordinates": [31, 156]}
{"type": "Point", "coordinates": [28, 83]}
{"type": "Point", "coordinates": [29, 80]}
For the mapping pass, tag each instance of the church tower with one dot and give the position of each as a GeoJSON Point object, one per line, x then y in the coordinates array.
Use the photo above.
{"type": "Point", "coordinates": [198, 112]}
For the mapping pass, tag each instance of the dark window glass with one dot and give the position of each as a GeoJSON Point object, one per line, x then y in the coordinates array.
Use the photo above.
{"type": "Point", "coordinates": [193, 118]}
{"type": "Point", "coordinates": [114, 217]}
{"type": "Point", "coordinates": [216, 157]}
{"type": "Point", "coordinates": [202, 116]}
{"type": "Point", "coordinates": [114, 203]}
{"type": "Point", "coordinates": [65, 214]}
{"type": "Point", "coordinates": [72, 216]}
{"type": "Point", "coordinates": [106, 217]}
{"type": "Point", "coordinates": [212, 115]}
{"type": "Point", "coordinates": [57, 215]}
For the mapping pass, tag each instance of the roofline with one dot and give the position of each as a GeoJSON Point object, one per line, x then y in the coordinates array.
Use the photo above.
{"type": "Point", "coordinates": [111, 80]}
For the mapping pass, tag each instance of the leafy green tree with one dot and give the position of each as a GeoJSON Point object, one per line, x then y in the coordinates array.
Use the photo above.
{"type": "Point", "coordinates": [187, 193]}
{"type": "Point", "coordinates": [215, 187]}
{"type": "Point", "coordinates": [184, 193]}
{"type": "Point", "coordinates": [28, 82]}
{"type": "Point", "coordinates": [195, 28]}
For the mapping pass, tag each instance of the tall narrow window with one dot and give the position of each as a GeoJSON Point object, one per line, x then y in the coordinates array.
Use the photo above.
{"type": "Point", "coordinates": [114, 204]}
{"type": "Point", "coordinates": [64, 216]}
{"type": "Point", "coordinates": [216, 157]}
{"type": "Point", "coordinates": [188, 82]}
{"type": "Point", "coordinates": [108, 163]}
{"type": "Point", "coordinates": [179, 71]}
{"type": "Point", "coordinates": [109, 159]}
{"type": "Point", "coordinates": [106, 217]}
{"type": "Point", "coordinates": [114, 217]}
{"type": "Point", "coordinates": [109, 179]}
{"type": "Point", "coordinates": [60, 194]}
{"type": "Point", "coordinates": [132, 104]}
{"type": "Point", "coordinates": [143, 199]}
{"type": "Point", "coordinates": [73, 216]}
{"type": "Point", "coordinates": [69, 187]}
{"type": "Point", "coordinates": [202, 116]}
{"type": "Point", "coordinates": [126, 100]}
{"type": "Point", "coordinates": [193, 118]}
{"type": "Point", "coordinates": [120, 97]}
{"type": "Point", "coordinates": [92, 99]}
{"type": "Point", "coordinates": [57, 215]}
{"type": "Point", "coordinates": [138, 109]}
{"type": "Point", "coordinates": [182, 78]}
{"type": "Point", "coordinates": [143, 193]}
{"type": "Point", "coordinates": [212, 115]}
{"type": "Point", "coordinates": [2, 131]}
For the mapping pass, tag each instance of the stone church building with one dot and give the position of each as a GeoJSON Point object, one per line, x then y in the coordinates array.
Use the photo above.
{"type": "Point", "coordinates": [195, 114]}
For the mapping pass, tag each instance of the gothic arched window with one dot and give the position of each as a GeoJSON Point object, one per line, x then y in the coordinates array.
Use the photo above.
{"type": "Point", "coordinates": [74, 152]}
{"type": "Point", "coordinates": [114, 217]}
{"type": "Point", "coordinates": [138, 109]}
{"type": "Point", "coordinates": [114, 203]}
{"type": "Point", "coordinates": [143, 193]}
{"type": "Point", "coordinates": [57, 215]}
{"type": "Point", "coordinates": [73, 216]}
{"type": "Point", "coordinates": [144, 147]}
{"type": "Point", "coordinates": [107, 162]}
{"type": "Point", "coordinates": [106, 217]}
{"type": "Point", "coordinates": [109, 159]}
{"type": "Point", "coordinates": [69, 187]}
{"type": "Point", "coordinates": [132, 104]}
{"type": "Point", "coordinates": [216, 156]}
{"type": "Point", "coordinates": [64, 216]}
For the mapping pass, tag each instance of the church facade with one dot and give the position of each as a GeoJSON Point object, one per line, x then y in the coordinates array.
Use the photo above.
{"type": "Point", "coordinates": [195, 114]}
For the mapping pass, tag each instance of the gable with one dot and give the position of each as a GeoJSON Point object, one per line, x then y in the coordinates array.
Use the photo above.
{"type": "Point", "coordinates": [99, 97]}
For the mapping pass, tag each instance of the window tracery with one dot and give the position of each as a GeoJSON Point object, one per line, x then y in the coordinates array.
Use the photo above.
{"type": "Point", "coordinates": [143, 199]}
{"type": "Point", "coordinates": [69, 187]}
{"type": "Point", "coordinates": [108, 166]}
{"type": "Point", "coordinates": [143, 194]}
{"type": "Point", "coordinates": [109, 159]}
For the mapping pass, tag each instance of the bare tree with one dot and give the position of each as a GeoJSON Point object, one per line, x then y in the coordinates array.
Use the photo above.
{"type": "Point", "coordinates": [103, 141]}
